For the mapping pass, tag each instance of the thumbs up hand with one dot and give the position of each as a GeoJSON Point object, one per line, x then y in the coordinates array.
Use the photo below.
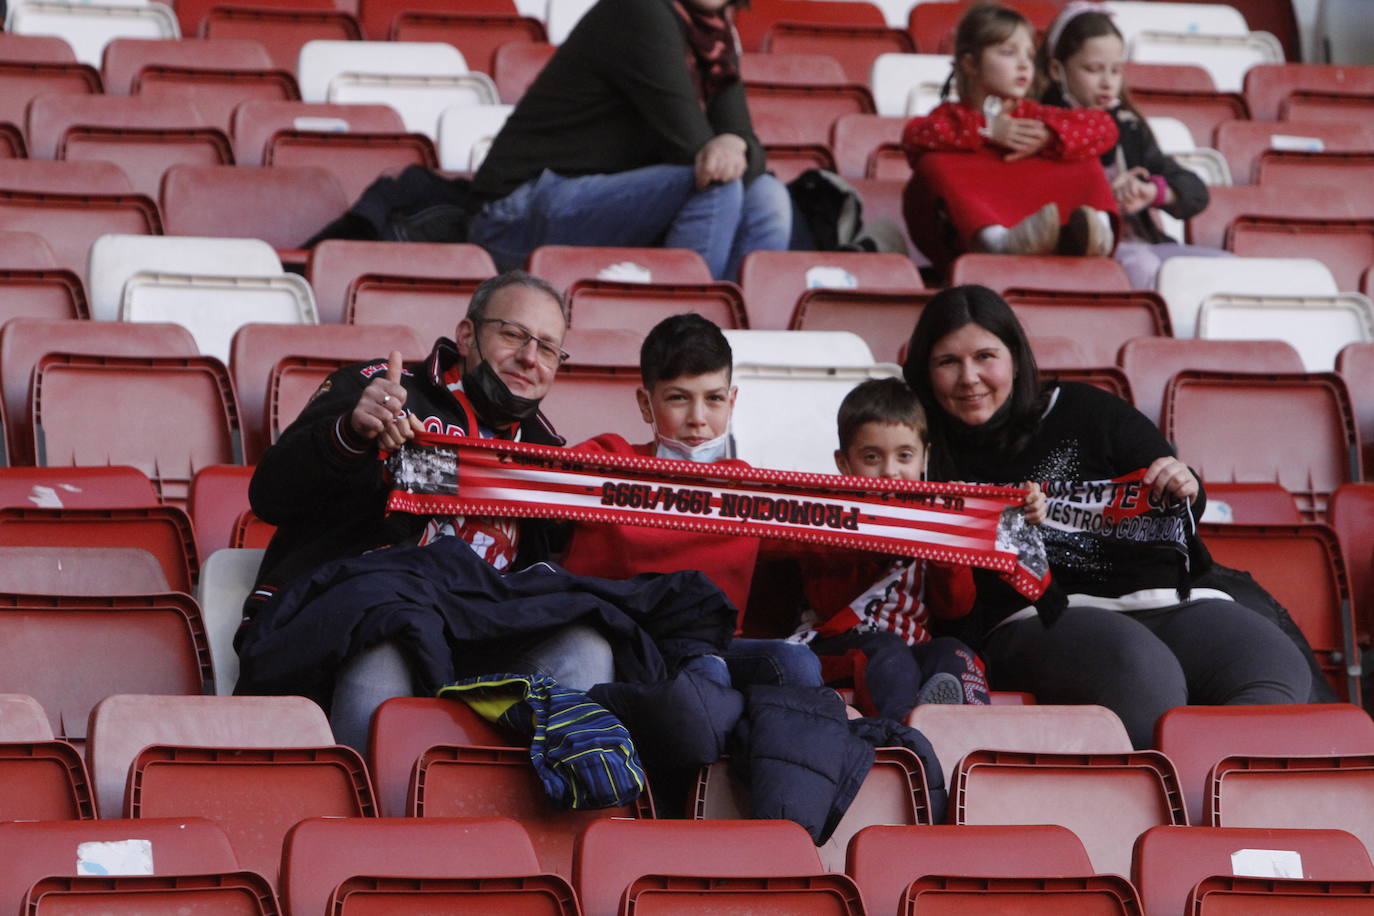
{"type": "Point", "coordinates": [380, 412]}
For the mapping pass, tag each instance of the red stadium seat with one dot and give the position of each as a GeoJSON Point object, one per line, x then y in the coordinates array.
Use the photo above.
{"type": "Point", "coordinates": [22, 719]}
{"type": "Point", "coordinates": [76, 488]}
{"type": "Point", "coordinates": [1109, 378]}
{"type": "Point", "coordinates": [754, 22]}
{"type": "Point", "coordinates": [12, 142]}
{"type": "Point", "coordinates": [70, 222]}
{"type": "Point", "coordinates": [894, 792]}
{"type": "Point", "coordinates": [322, 853]}
{"type": "Point", "coordinates": [466, 781]}
{"type": "Point", "coordinates": [1151, 361]}
{"type": "Point", "coordinates": [163, 531]}
{"type": "Point", "coordinates": [1301, 566]}
{"type": "Point", "coordinates": [802, 69]}
{"type": "Point", "coordinates": [192, 13]}
{"type": "Point", "coordinates": [1202, 112]}
{"type": "Point", "coordinates": [284, 206]}
{"type": "Point", "coordinates": [1323, 791]}
{"type": "Point", "coordinates": [131, 644]}
{"type": "Point", "coordinates": [564, 265]}
{"type": "Point", "coordinates": [589, 400]}
{"type": "Point", "coordinates": [251, 532]}
{"type": "Point", "coordinates": [215, 92]}
{"type": "Point", "coordinates": [258, 348]}
{"type": "Point", "coordinates": [379, 16]}
{"type": "Point", "coordinates": [803, 115]}
{"type": "Point", "coordinates": [1106, 799]}
{"type": "Point", "coordinates": [611, 854]}
{"type": "Point", "coordinates": [855, 137]}
{"type": "Point", "coordinates": [1105, 894]}
{"type": "Point", "coordinates": [23, 340]}
{"type": "Point", "coordinates": [1352, 515]}
{"type": "Point", "coordinates": [1267, 85]}
{"type": "Point", "coordinates": [238, 893]}
{"type": "Point", "coordinates": [125, 58]}
{"type": "Point", "coordinates": [1222, 896]}
{"type": "Point", "coordinates": [1297, 172]}
{"type": "Point", "coordinates": [24, 251]}
{"type": "Point", "coordinates": [1170, 861]}
{"type": "Point", "coordinates": [180, 415]}
{"type": "Point", "coordinates": [1254, 503]}
{"type": "Point", "coordinates": [517, 63]}
{"type": "Point", "coordinates": [820, 895]}
{"type": "Point", "coordinates": [1344, 246]}
{"type": "Point", "coordinates": [1242, 142]}
{"type": "Point", "coordinates": [50, 294]}
{"type": "Point", "coordinates": [281, 32]}
{"type": "Point", "coordinates": [255, 123]}
{"type": "Point", "coordinates": [773, 281]}
{"type": "Point", "coordinates": [1227, 203]}
{"type": "Point", "coordinates": [1327, 106]}
{"type": "Point", "coordinates": [883, 320]}
{"type": "Point", "coordinates": [290, 385]}
{"type": "Point", "coordinates": [46, 177]}
{"type": "Point", "coordinates": [43, 780]}
{"type": "Point", "coordinates": [882, 199]}
{"type": "Point", "coordinates": [21, 82]}
{"type": "Point", "coordinates": [356, 160]}
{"type": "Point", "coordinates": [854, 46]}
{"type": "Point", "coordinates": [1208, 416]}
{"type": "Point", "coordinates": [65, 570]}
{"type": "Point", "coordinates": [932, 24]}
{"type": "Point", "coordinates": [41, 849]}
{"type": "Point", "coordinates": [335, 263]}
{"type": "Point", "coordinates": [1099, 322]}
{"type": "Point", "coordinates": [884, 861]}
{"type": "Point", "coordinates": [405, 727]}
{"type": "Point", "coordinates": [788, 161]}
{"type": "Point", "coordinates": [640, 306]}
{"type": "Point", "coordinates": [219, 495]}
{"type": "Point", "coordinates": [35, 49]}
{"type": "Point", "coordinates": [1196, 738]}
{"type": "Point", "coordinates": [1178, 77]}
{"type": "Point", "coordinates": [956, 730]}
{"type": "Point", "coordinates": [1002, 272]}
{"type": "Point", "coordinates": [430, 305]}
{"type": "Point", "coordinates": [477, 35]}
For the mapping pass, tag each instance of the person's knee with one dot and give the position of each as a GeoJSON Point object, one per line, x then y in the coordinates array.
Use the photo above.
{"type": "Point", "coordinates": [578, 656]}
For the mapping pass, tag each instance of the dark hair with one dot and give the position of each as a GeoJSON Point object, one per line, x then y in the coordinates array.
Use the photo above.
{"type": "Point", "coordinates": [879, 400]}
{"type": "Point", "coordinates": [946, 312]}
{"type": "Point", "coordinates": [1081, 28]}
{"type": "Point", "coordinates": [481, 297]}
{"type": "Point", "coordinates": [982, 26]}
{"type": "Point", "coordinates": [683, 346]}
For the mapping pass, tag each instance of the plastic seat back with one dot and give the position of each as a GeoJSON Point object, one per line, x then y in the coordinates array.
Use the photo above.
{"type": "Point", "coordinates": [611, 854]}
{"type": "Point", "coordinates": [1195, 738]}
{"type": "Point", "coordinates": [1222, 896]}
{"type": "Point", "coordinates": [116, 258]}
{"type": "Point", "coordinates": [856, 137]}
{"type": "Point", "coordinates": [281, 32]}
{"type": "Point", "coordinates": [1243, 142]}
{"type": "Point", "coordinates": [237, 893]}
{"type": "Point", "coordinates": [256, 122]}
{"type": "Point", "coordinates": [1003, 272]}
{"type": "Point", "coordinates": [802, 69]}
{"type": "Point", "coordinates": [1318, 326]}
{"type": "Point", "coordinates": [321, 853]}
{"type": "Point", "coordinates": [60, 570]}
{"type": "Point", "coordinates": [335, 263]}
{"type": "Point", "coordinates": [41, 294]}
{"type": "Point", "coordinates": [1099, 322]}
{"type": "Point", "coordinates": [564, 265]}
{"type": "Point", "coordinates": [355, 160]}
{"type": "Point", "coordinates": [883, 320]}
{"type": "Point", "coordinates": [40, 176]}
{"type": "Point", "coordinates": [163, 531]}
{"type": "Point", "coordinates": [640, 306]}
{"type": "Point", "coordinates": [957, 730]}
{"type": "Point", "coordinates": [70, 223]}
{"type": "Point", "coordinates": [38, 49]}
{"type": "Point", "coordinates": [1170, 861]}
{"type": "Point", "coordinates": [818, 895]}
{"type": "Point", "coordinates": [1251, 504]}
{"type": "Point", "coordinates": [1103, 894]}
{"type": "Point", "coordinates": [51, 117]}
{"type": "Point", "coordinates": [773, 281]}
{"type": "Point", "coordinates": [225, 581]}
{"type": "Point", "coordinates": [1203, 111]}
{"type": "Point", "coordinates": [1267, 85]}
{"type": "Point", "coordinates": [23, 340]}
{"type": "Point", "coordinates": [1316, 407]}
{"type": "Point", "coordinates": [321, 62]}
{"type": "Point", "coordinates": [466, 134]}
{"type": "Point", "coordinates": [219, 494]}
{"type": "Point", "coordinates": [893, 792]}
{"type": "Point", "coordinates": [1227, 203]}
{"type": "Point", "coordinates": [803, 114]}
{"type": "Point", "coordinates": [908, 84]}
{"type": "Point", "coordinates": [284, 206]}
{"type": "Point", "coordinates": [40, 849]}
{"type": "Point", "coordinates": [1346, 247]}
{"type": "Point", "coordinates": [24, 251]}
{"type": "Point", "coordinates": [1180, 77]}
{"type": "Point", "coordinates": [476, 35]}
{"type": "Point", "coordinates": [181, 416]}
{"type": "Point", "coordinates": [22, 81]}
{"type": "Point", "coordinates": [517, 63]}
{"type": "Point", "coordinates": [1355, 363]}
{"type": "Point", "coordinates": [432, 306]}
{"type": "Point", "coordinates": [42, 779]}
{"type": "Point", "coordinates": [1326, 106]}
{"type": "Point", "coordinates": [88, 30]}
{"type": "Point", "coordinates": [589, 400]}
{"type": "Point", "coordinates": [1106, 799]}
{"type": "Point", "coordinates": [537, 895]}
{"type": "Point", "coordinates": [1151, 361]}
{"type": "Point", "coordinates": [125, 58]}
{"type": "Point", "coordinates": [1186, 283]}
{"type": "Point", "coordinates": [856, 47]}
{"type": "Point", "coordinates": [1352, 515]}
{"type": "Point", "coordinates": [22, 719]}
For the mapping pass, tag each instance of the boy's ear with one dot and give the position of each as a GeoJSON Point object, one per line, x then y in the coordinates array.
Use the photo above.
{"type": "Point", "coordinates": [734, 393]}
{"type": "Point", "coordinates": [642, 398]}
{"type": "Point", "coordinates": [842, 462]}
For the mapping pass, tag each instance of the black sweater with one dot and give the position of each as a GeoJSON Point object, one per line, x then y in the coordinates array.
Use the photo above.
{"type": "Point", "coordinates": [1088, 434]}
{"type": "Point", "coordinates": [1136, 146]}
{"type": "Point", "coordinates": [619, 94]}
{"type": "Point", "coordinates": [324, 489]}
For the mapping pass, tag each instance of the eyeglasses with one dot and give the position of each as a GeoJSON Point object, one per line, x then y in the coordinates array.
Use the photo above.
{"type": "Point", "coordinates": [516, 336]}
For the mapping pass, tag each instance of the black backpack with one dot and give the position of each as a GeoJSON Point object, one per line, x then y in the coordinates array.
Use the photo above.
{"type": "Point", "coordinates": [418, 205]}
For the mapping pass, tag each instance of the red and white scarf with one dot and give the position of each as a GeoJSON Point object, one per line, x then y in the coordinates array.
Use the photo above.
{"type": "Point", "coordinates": [978, 526]}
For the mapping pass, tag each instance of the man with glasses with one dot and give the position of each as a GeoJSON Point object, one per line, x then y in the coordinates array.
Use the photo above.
{"type": "Point", "coordinates": [322, 484]}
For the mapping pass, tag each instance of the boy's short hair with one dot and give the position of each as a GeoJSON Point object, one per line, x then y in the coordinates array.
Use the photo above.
{"type": "Point", "coordinates": [683, 346]}
{"type": "Point", "coordinates": [880, 400]}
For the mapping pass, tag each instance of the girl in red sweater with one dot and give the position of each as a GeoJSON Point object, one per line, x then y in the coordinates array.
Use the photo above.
{"type": "Point", "coordinates": [997, 172]}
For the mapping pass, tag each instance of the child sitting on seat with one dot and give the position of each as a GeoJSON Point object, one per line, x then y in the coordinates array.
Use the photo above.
{"type": "Point", "coordinates": [882, 434]}
{"type": "Point", "coordinates": [685, 364]}
{"type": "Point", "coordinates": [997, 172]}
{"type": "Point", "coordinates": [1084, 59]}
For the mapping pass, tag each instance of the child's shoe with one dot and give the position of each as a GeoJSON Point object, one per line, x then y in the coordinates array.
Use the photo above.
{"type": "Point", "coordinates": [943, 688]}
{"type": "Point", "coordinates": [1088, 232]}
{"type": "Point", "coordinates": [1036, 234]}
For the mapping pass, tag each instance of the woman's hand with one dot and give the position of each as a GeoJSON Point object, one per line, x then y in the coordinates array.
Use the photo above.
{"type": "Point", "coordinates": [725, 157]}
{"type": "Point", "coordinates": [1133, 190]}
{"type": "Point", "coordinates": [1168, 476]}
{"type": "Point", "coordinates": [1034, 504]}
{"type": "Point", "coordinates": [1023, 136]}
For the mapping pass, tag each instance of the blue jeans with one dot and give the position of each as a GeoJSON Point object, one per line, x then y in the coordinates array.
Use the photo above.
{"type": "Point", "coordinates": [655, 205]}
{"type": "Point", "coordinates": [751, 662]}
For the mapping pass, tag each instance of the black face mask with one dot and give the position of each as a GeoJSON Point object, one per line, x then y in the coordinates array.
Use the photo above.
{"type": "Point", "coordinates": [496, 405]}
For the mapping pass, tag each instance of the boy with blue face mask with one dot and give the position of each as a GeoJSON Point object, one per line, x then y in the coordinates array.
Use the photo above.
{"type": "Point", "coordinates": [687, 398]}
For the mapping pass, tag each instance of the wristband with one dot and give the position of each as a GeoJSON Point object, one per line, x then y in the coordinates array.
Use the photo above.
{"type": "Point", "coordinates": [1161, 190]}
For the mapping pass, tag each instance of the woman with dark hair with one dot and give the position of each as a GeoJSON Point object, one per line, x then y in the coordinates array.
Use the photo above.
{"type": "Point", "coordinates": [1120, 533]}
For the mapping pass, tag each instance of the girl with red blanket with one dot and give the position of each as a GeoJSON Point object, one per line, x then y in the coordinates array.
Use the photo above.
{"type": "Point", "coordinates": [998, 172]}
